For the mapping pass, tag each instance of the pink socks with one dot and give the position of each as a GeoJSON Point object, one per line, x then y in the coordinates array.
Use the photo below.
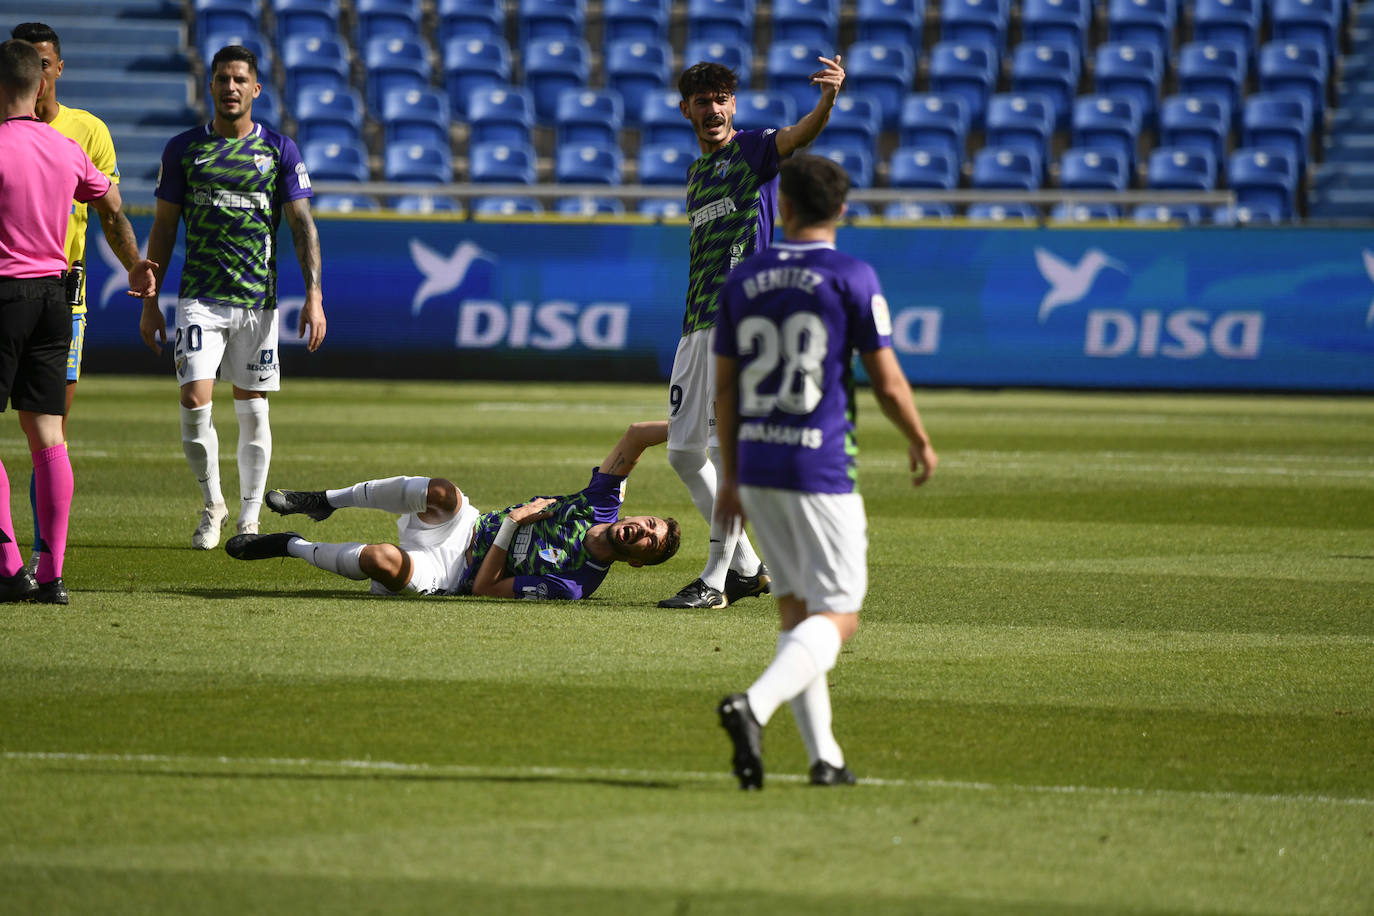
{"type": "Point", "coordinates": [52, 471]}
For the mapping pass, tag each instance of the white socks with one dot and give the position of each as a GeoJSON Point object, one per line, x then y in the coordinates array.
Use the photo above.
{"type": "Point", "coordinates": [254, 455]}
{"type": "Point", "coordinates": [200, 443]}
{"type": "Point", "coordinates": [398, 495]}
{"type": "Point", "coordinates": [811, 710]}
{"type": "Point", "coordinates": [341, 559]}
{"type": "Point", "coordinates": [699, 475]}
{"type": "Point", "coordinates": [804, 656]}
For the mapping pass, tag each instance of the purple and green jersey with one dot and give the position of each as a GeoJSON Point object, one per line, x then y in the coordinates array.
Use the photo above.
{"type": "Point", "coordinates": [793, 317]}
{"type": "Point", "coordinates": [731, 201]}
{"type": "Point", "coordinates": [231, 194]}
{"type": "Point", "coordinates": [549, 558]}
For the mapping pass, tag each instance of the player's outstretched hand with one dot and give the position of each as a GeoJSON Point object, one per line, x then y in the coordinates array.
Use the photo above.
{"type": "Point", "coordinates": [532, 511]}
{"type": "Point", "coordinates": [830, 78]}
{"type": "Point", "coordinates": [152, 326]}
{"type": "Point", "coordinates": [923, 462]}
{"type": "Point", "coordinates": [143, 280]}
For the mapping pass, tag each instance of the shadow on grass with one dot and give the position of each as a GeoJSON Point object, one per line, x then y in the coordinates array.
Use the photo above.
{"type": "Point", "coordinates": [533, 778]}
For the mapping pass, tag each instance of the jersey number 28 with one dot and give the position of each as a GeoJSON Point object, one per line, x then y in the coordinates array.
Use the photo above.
{"type": "Point", "coordinates": [799, 344]}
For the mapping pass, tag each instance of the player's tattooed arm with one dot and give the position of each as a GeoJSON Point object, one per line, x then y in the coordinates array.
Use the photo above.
{"type": "Point", "coordinates": [307, 241]}
{"type": "Point", "coordinates": [637, 438]}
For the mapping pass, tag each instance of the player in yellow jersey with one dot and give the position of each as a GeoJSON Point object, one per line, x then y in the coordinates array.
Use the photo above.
{"type": "Point", "coordinates": [94, 137]}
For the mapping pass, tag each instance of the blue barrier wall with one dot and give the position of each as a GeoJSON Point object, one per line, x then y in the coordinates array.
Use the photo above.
{"type": "Point", "coordinates": [1256, 309]}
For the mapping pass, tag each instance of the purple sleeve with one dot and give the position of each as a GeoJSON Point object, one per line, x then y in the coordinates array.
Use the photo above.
{"type": "Point", "coordinates": [760, 150]}
{"type": "Point", "coordinates": [297, 180]}
{"type": "Point", "coordinates": [605, 494]}
{"type": "Point", "coordinates": [171, 180]}
{"type": "Point", "coordinates": [872, 324]}
{"type": "Point", "coordinates": [547, 588]}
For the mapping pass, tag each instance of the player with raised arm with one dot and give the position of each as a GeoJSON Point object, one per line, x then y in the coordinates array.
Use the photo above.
{"type": "Point", "coordinates": [91, 134]}
{"type": "Point", "coordinates": [731, 198]}
{"type": "Point", "coordinates": [790, 322]}
{"type": "Point", "coordinates": [231, 181]}
{"type": "Point", "coordinates": [548, 547]}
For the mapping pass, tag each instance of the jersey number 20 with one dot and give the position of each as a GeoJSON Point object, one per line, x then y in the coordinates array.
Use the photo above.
{"type": "Point", "coordinates": [799, 344]}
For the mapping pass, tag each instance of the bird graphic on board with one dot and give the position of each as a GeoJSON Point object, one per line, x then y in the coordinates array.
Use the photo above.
{"type": "Point", "coordinates": [442, 275]}
{"type": "Point", "coordinates": [117, 280]}
{"type": "Point", "coordinates": [1068, 284]}
{"type": "Point", "coordinates": [1369, 268]}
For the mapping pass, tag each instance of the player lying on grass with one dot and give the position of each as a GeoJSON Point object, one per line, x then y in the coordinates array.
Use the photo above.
{"type": "Point", "coordinates": [549, 547]}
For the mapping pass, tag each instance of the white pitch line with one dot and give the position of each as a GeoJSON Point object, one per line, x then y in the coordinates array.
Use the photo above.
{"type": "Point", "coordinates": [572, 773]}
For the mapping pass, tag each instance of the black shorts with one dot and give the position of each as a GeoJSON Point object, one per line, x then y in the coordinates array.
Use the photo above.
{"type": "Point", "coordinates": [35, 335]}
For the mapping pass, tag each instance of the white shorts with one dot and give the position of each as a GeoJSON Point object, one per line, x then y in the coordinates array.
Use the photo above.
{"type": "Point", "coordinates": [692, 394]}
{"type": "Point", "coordinates": [815, 545]}
{"type": "Point", "coordinates": [224, 341]}
{"type": "Point", "coordinates": [438, 553]}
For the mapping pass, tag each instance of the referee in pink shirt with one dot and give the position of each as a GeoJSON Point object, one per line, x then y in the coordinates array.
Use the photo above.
{"type": "Point", "coordinates": [41, 173]}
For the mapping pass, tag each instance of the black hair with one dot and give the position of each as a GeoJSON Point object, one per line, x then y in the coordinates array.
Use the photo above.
{"type": "Point", "coordinates": [36, 33]}
{"type": "Point", "coordinates": [670, 543]}
{"type": "Point", "coordinates": [230, 53]}
{"type": "Point", "coordinates": [707, 77]}
{"type": "Point", "coordinates": [815, 186]}
{"type": "Point", "coordinates": [21, 68]}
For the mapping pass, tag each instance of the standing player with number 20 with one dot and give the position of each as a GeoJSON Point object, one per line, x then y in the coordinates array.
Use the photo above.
{"type": "Point", "coordinates": [790, 322]}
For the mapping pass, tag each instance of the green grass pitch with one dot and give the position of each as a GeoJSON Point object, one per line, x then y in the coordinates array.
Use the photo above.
{"type": "Point", "coordinates": [1117, 657]}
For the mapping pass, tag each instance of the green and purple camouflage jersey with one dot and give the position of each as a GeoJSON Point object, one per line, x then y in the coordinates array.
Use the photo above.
{"type": "Point", "coordinates": [731, 201]}
{"type": "Point", "coordinates": [231, 194]}
{"type": "Point", "coordinates": [549, 558]}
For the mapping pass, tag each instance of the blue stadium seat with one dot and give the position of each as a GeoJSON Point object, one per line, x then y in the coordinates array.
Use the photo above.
{"type": "Point", "coordinates": [1298, 67]}
{"type": "Point", "coordinates": [314, 61]}
{"type": "Point", "coordinates": [565, 20]}
{"type": "Point", "coordinates": [1149, 22]}
{"type": "Point", "coordinates": [1051, 68]}
{"type": "Point", "coordinates": [635, 68]}
{"type": "Point", "coordinates": [386, 18]}
{"type": "Point", "coordinates": [916, 167]}
{"type": "Point", "coordinates": [1264, 178]}
{"type": "Point", "coordinates": [967, 69]}
{"type": "Point", "coordinates": [763, 108]}
{"type": "Point", "coordinates": [590, 116]}
{"type": "Point", "coordinates": [1316, 21]}
{"type": "Point", "coordinates": [1020, 119]}
{"type": "Point", "coordinates": [1213, 67]}
{"type": "Point", "coordinates": [1185, 214]}
{"type": "Point", "coordinates": [810, 22]}
{"type": "Point", "coordinates": [664, 163]}
{"type": "Point", "coordinates": [500, 114]}
{"type": "Point", "coordinates": [738, 57]}
{"type": "Point", "coordinates": [502, 163]}
{"type": "Point", "coordinates": [855, 121]}
{"type": "Point", "coordinates": [858, 163]}
{"type": "Point", "coordinates": [226, 17]}
{"type": "Point", "coordinates": [1086, 168]}
{"type": "Point", "coordinates": [1254, 214]}
{"type": "Point", "coordinates": [1135, 71]}
{"type": "Point", "coordinates": [641, 20]}
{"type": "Point", "coordinates": [1278, 120]}
{"type": "Point", "coordinates": [267, 108]}
{"type": "Point", "coordinates": [329, 114]}
{"type": "Point", "coordinates": [343, 203]}
{"type": "Point", "coordinates": [1066, 21]}
{"type": "Point", "coordinates": [305, 17]}
{"type": "Point", "coordinates": [471, 19]}
{"type": "Point", "coordinates": [788, 69]}
{"type": "Point", "coordinates": [330, 161]}
{"type": "Point", "coordinates": [1196, 122]}
{"type": "Point", "coordinates": [1084, 213]}
{"type": "Point", "coordinates": [393, 62]}
{"type": "Point", "coordinates": [1179, 168]}
{"type": "Point", "coordinates": [974, 20]}
{"type": "Point", "coordinates": [918, 211]}
{"type": "Point", "coordinates": [891, 21]}
{"type": "Point", "coordinates": [1236, 22]}
{"type": "Point", "coordinates": [1107, 122]}
{"type": "Point", "coordinates": [935, 121]}
{"type": "Point", "coordinates": [416, 116]}
{"type": "Point", "coordinates": [552, 65]}
{"type": "Point", "coordinates": [425, 204]}
{"type": "Point", "coordinates": [885, 71]}
{"type": "Point", "coordinates": [588, 205]}
{"type": "Point", "coordinates": [498, 205]}
{"type": "Point", "coordinates": [663, 207]}
{"type": "Point", "coordinates": [856, 209]}
{"type": "Point", "coordinates": [1001, 167]}
{"type": "Point", "coordinates": [473, 62]}
{"type": "Point", "coordinates": [661, 120]}
{"type": "Point", "coordinates": [428, 163]}
{"type": "Point", "coordinates": [720, 20]}
{"type": "Point", "coordinates": [253, 41]}
{"type": "Point", "coordinates": [1002, 213]}
{"type": "Point", "coordinates": [588, 163]}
